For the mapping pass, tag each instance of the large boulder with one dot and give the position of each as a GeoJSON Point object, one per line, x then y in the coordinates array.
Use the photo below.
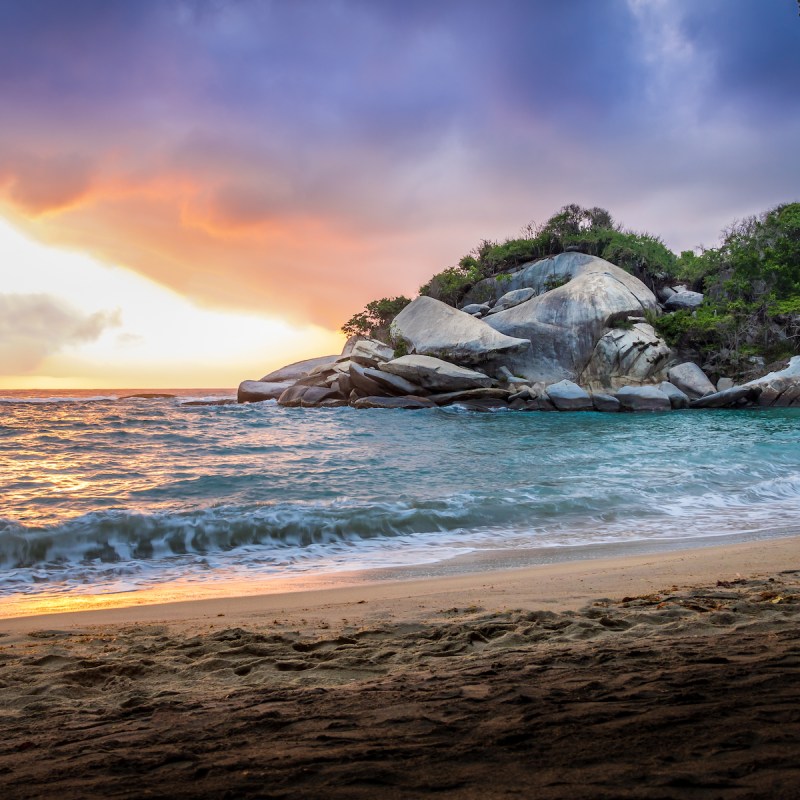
{"type": "Point", "coordinates": [476, 309]}
{"type": "Point", "coordinates": [394, 384]}
{"type": "Point", "coordinates": [432, 328]}
{"type": "Point", "coordinates": [411, 403]}
{"type": "Point", "coordinates": [314, 395]}
{"type": "Point", "coordinates": [728, 398]}
{"type": "Point", "coordinates": [568, 396]}
{"type": "Point", "coordinates": [256, 391]}
{"type": "Point", "coordinates": [604, 402]}
{"type": "Point", "coordinates": [366, 385]}
{"type": "Point", "coordinates": [434, 374]}
{"type": "Point", "coordinates": [300, 369]}
{"type": "Point", "coordinates": [677, 398]}
{"type": "Point", "coordinates": [624, 356]}
{"type": "Point", "coordinates": [643, 398]}
{"type": "Point", "coordinates": [366, 346]}
{"type": "Point", "coordinates": [542, 276]}
{"type": "Point", "coordinates": [293, 396]}
{"type": "Point", "coordinates": [367, 351]}
{"type": "Point", "coordinates": [565, 323]}
{"type": "Point", "coordinates": [691, 380]}
{"type": "Point", "coordinates": [447, 398]}
{"type": "Point", "coordinates": [511, 299]}
{"type": "Point", "coordinates": [681, 301]}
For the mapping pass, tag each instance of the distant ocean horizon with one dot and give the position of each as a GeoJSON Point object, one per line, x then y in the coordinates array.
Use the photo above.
{"type": "Point", "coordinates": [101, 492]}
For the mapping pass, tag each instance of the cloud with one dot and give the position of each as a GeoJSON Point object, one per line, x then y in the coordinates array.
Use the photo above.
{"type": "Point", "coordinates": [301, 158]}
{"type": "Point", "coordinates": [40, 184]}
{"type": "Point", "coordinates": [35, 326]}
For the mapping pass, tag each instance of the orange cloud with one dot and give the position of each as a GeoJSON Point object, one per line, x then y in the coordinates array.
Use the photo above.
{"type": "Point", "coordinates": [44, 184]}
{"type": "Point", "coordinates": [221, 243]}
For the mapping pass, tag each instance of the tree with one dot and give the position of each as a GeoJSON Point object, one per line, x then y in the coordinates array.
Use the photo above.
{"type": "Point", "coordinates": [376, 318]}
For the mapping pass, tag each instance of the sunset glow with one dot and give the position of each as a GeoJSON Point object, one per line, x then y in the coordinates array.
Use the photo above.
{"type": "Point", "coordinates": [220, 185]}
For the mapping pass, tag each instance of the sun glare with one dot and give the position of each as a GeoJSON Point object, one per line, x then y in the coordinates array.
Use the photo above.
{"type": "Point", "coordinates": [153, 336]}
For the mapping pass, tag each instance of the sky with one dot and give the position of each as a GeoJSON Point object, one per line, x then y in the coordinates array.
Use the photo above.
{"type": "Point", "coordinates": [194, 192]}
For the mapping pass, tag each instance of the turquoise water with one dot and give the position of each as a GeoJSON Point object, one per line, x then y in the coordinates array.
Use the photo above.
{"type": "Point", "coordinates": [99, 493]}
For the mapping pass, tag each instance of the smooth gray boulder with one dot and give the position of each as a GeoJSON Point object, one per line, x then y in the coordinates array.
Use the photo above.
{"type": "Point", "coordinates": [475, 309]}
{"type": "Point", "coordinates": [371, 349]}
{"type": "Point", "coordinates": [643, 398]}
{"type": "Point", "coordinates": [482, 405]}
{"type": "Point", "coordinates": [780, 388]}
{"type": "Point", "coordinates": [411, 403]}
{"type": "Point", "coordinates": [626, 356]}
{"type": "Point", "coordinates": [314, 395]}
{"type": "Point", "coordinates": [691, 380]}
{"type": "Point", "coordinates": [724, 383]}
{"type": "Point", "coordinates": [511, 299]}
{"type": "Point", "coordinates": [677, 398]}
{"type": "Point", "coordinates": [293, 396]}
{"type": "Point", "coordinates": [366, 346]}
{"type": "Point", "coordinates": [664, 293]}
{"type": "Point", "coordinates": [445, 398]}
{"type": "Point", "coordinates": [683, 301]}
{"type": "Point", "coordinates": [568, 396]}
{"type": "Point", "coordinates": [361, 381]}
{"type": "Point", "coordinates": [728, 398]}
{"type": "Point", "coordinates": [436, 375]}
{"type": "Point", "coordinates": [543, 275]}
{"type": "Point", "coordinates": [256, 391]}
{"type": "Point", "coordinates": [604, 402]}
{"type": "Point", "coordinates": [394, 384]}
{"type": "Point", "coordinates": [565, 323]}
{"type": "Point", "coordinates": [300, 369]}
{"type": "Point", "coordinates": [430, 327]}
{"type": "Point", "coordinates": [790, 372]}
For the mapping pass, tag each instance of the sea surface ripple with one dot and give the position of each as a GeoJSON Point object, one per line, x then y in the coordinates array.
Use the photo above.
{"type": "Point", "coordinates": [99, 492]}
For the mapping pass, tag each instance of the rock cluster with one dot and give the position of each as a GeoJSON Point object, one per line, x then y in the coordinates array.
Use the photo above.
{"type": "Point", "coordinates": [568, 333]}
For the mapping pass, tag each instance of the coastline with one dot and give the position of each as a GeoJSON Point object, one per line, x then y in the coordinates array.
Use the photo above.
{"type": "Point", "coordinates": [648, 676]}
{"type": "Point", "coordinates": [483, 578]}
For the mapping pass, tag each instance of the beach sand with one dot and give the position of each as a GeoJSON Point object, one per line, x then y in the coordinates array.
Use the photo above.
{"type": "Point", "coordinates": [659, 676]}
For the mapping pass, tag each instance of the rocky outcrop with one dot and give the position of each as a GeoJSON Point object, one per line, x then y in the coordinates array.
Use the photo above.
{"type": "Point", "coordinates": [435, 374]}
{"type": "Point", "coordinates": [431, 328]}
{"type": "Point", "coordinates": [563, 334]}
{"type": "Point", "coordinates": [564, 324]}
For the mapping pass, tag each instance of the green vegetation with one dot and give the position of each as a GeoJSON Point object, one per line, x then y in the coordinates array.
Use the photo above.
{"type": "Point", "coordinates": [376, 318]}
{"type": "Point", "coordinates": [751, 284]}
{"type": "Point", "coordinates": [589, 230]}
{"type": "Point", "coordinates": [751, 281]}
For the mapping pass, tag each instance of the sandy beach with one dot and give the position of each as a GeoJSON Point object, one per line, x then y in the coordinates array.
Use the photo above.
{"type": "Point", "coordinates": [657, 676]}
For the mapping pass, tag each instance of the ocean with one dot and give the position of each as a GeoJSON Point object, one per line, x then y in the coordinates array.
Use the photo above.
{"type": "Point", "coordinates": [102, 493]}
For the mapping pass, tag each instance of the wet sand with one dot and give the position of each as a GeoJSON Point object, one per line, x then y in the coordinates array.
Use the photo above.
{"type": "Point", "coordinates": [676, 675]}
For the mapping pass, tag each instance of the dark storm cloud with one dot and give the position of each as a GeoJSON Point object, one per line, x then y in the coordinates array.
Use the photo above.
{"type": "Point", "coordinates": [754, 46]}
